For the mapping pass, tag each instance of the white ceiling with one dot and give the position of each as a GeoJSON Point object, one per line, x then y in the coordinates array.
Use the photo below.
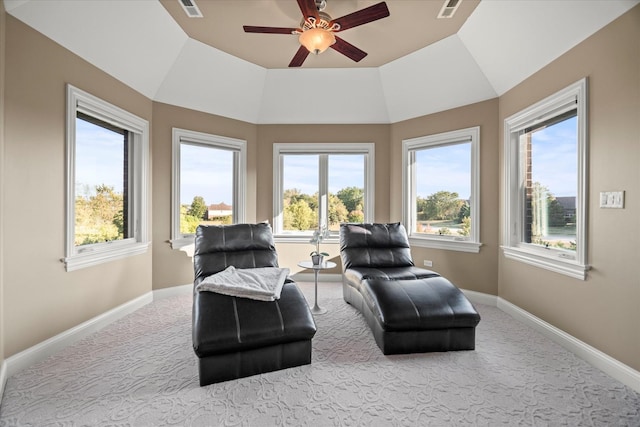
{"type": "Point", "coordinates": [499, 45]}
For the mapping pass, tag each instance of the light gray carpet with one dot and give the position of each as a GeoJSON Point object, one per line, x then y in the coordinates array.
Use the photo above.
{"type": "Point", "coordinates": [141, 371]}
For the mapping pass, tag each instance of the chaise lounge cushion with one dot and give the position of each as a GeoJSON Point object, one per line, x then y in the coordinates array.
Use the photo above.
{"type": "Point", "coordinates": [377, 251]}
{"type": "Point", "coordinates": [357, 275]}
{"type": "Point", "coordinates": [225, 324]}
{"type": "Point", "coordinates": [236, 337]}
{"type": "Point", "coordinates": [374, 245]}
{"type": "Point", "coordinates": [406, 305]}
{"type": "Point", "coordinates": [409, 309]}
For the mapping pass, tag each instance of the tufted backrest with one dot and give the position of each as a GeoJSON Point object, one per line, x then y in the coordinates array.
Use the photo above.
{"type": "Point", "coordinates": [374, 245]}
{"type": "Point", "coordinates": [241, 245]}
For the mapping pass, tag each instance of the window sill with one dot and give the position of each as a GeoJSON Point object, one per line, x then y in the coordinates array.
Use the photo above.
{"type": "Point", "coordinates": [98, 256]}
{"type": "Point", "coordinates": [283, 238]}
{"type": "Point", "coordinates": [556, 264]}
{"type": "Point", "coordinates": [182, 242]}
{"type": "Point", "coordinates": [186, 245]}
{"type": "Point", "coordinates": [450, 245]}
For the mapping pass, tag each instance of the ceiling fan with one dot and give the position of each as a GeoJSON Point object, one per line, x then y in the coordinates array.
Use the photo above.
{"type": "Point", "coordinates": [317, 28]}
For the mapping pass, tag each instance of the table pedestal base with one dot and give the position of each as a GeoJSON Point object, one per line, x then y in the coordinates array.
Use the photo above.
{"type": "Point", "coordinates": [318, 310]}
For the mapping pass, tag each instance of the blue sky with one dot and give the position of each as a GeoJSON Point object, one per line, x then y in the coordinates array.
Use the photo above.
{"type": "Point", "coordinates": [445, 168]}
{"type": "Point", "coordinates": [301, 172]}
{"type": "Point", "coordinates": [98, 157]}
{"type": "Point", "coordinates": [555, 158]}
{"type": "Point", "coordinates": [206, 172]}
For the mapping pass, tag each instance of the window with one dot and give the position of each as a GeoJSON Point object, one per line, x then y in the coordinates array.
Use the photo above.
{"type": "Point", "coordinates": [208, 183]}
{"type": "Point", "coordinates": [107, 173]}
{"type": "Point", "coordinates": [441, 190]}
{"type": "Point", "coordinates": [321, 184]}
{"type": "Point", "coordinates": [545, 163]}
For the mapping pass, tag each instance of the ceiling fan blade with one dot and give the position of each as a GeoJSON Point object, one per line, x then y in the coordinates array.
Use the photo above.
{"type": "Point", "coordinates": [268, 30]}
{"type": "Point", "coordinates": [348, 50]}
{"type": "Point", "coordinates": [299, 57]}
{"type": "Point", "coordinates": [308, 8]}
{"type": "Point", "coordinates": [362, 16]}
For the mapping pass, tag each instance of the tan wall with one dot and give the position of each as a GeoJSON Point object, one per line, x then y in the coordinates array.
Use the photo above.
{"type": "Point", "coordinates": [290, 253]}
{"type": "Point", "coordinates": [604, 310]}
{"type": "Point", "coordinates": [476, 272]}
{"type": "Point", "coordinates": [173, 267]}
{"type": "Point", "coordinates": [40, 298]}
{"type": "Point", "coordinates": [2, 179]}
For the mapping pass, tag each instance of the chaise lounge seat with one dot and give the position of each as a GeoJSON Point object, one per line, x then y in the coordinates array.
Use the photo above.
{"type": "Point", "coordinates": [409, 309]}
{"type": "Point", "coordinates": [236, 337]}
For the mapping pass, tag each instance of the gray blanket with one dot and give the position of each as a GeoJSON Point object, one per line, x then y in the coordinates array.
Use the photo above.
{"type": "Point", "coordinates": [264, 283]}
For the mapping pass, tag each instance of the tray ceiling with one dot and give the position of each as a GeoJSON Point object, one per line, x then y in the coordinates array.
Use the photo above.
{"type": "Point", "coordinates": [417, 64]}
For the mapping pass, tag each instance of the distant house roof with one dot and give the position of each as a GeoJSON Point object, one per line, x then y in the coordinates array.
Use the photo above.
{"type": "Point", "coordinates": [220, 207]}
{"type": "Point", "coordinates": [567, 202]}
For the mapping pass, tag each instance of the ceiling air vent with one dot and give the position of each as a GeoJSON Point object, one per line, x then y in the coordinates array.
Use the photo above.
{"type": "Point", "coordinates": [448, 8]}
{"type": "Point", "coordinates": [190, 8]}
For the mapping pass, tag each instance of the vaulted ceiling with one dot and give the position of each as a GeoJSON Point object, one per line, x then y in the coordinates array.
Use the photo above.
{"type": "Point", "coordinates": [416, 64]}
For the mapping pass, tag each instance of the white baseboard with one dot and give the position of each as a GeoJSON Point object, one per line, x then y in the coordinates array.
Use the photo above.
{"type": "Point", "coordinates": [591, 355]}
{"type": "Point", "coordinates": [46, 348]}
{"type": "Point", "coordinates": [481, 297]}
{"type": "Point", "coordinates": [159, 294]}
{"type": "Point", "coordinates": [3, 378]}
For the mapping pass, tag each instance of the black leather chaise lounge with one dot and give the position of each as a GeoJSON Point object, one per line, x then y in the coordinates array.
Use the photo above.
{"type": "Point", "coordinates": [236, 337]}
{"type": "Point", "coordinates": [409, 309]}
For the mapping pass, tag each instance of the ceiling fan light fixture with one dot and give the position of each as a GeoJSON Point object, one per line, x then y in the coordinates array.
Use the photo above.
{"type": "Point", "coordinates": [317, 40]}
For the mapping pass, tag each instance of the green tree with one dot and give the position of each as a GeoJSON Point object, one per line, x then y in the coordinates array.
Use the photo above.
{"type": "Point", "coordinates": [421, 208]}
{"type": "Point", "coordinates": [188, 223]}
{"type": "Point", "coordinates": [465, 230]}
{"type": "Point", "coordinates": [556, 212]}
{"type": "Point", "coordinates": [464, 212]}
{"type": "Point", "coordinates": [106, 203]}
{"type": "Point", "coordinates": [442, 205]}
{"type": "Point", "coordinates": [337, 210]}
{"type": "Point", "coordinates": [547, 211]}
{"type": "Point", "coordinates": [356, 216]}
{"type": "Point", "coordinates": [99, 216]}
{"type": "Point", "coordinates": [444, 231]}
{"type": "Point", "coordinates": [118, 221]}
{"type": "Point", "coordinates": [299, 216]}
{"type": "Point", "coordinates": [198, 208]}
{"type": "Point", "coordinates": [292, 195]}
{"type": "Point", "coordinates": [351, 197]}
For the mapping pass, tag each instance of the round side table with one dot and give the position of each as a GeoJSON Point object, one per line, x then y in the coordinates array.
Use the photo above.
{"type": "Point", "coordinates": [316, 309]}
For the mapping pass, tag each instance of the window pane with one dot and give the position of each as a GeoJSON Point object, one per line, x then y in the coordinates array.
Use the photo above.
{"type": "Point", "coordinates": [101, 205]}
{"type": "Point", "coordinates": [206, 186]}
{"type": "Point", "coordinates": [300, 192]}
{"type": "Point", "coordinates": [346, 189]}
{"type": "Point", "coordinates": [551, 184]}
{"type": "Point", "coordinates": [443, 190]}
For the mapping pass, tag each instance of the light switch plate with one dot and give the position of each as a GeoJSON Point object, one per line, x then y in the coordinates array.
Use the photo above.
{"type": "Point", "coordinates": [612, 199]}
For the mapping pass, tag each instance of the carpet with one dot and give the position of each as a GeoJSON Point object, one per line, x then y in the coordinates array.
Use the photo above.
{"type": "Point", "coordinates": [141, 371]}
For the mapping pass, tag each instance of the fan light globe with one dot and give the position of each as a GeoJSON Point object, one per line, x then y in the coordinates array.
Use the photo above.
{"type": "Point", "coordinates": [317, 40]}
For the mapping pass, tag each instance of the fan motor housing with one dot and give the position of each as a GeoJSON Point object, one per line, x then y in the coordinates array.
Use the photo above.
{"type": "Point", "coordinates": [323, 22]}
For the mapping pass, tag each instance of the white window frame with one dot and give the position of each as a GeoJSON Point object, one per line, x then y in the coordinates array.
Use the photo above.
{"type": "Point", "coordinates": [279, 149]}
{"type": "Point", "coordinates": [77, 257]}
{"type": "Point", "coordinates": [573, 264]}
{"type": "Point", "coordinates": [469, 243]}
{"type": "Point", "coordinates": [179, 136]}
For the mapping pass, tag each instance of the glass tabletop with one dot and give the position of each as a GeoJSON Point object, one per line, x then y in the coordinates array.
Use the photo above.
{"type": "Point", "coordinates": [324, 266]}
